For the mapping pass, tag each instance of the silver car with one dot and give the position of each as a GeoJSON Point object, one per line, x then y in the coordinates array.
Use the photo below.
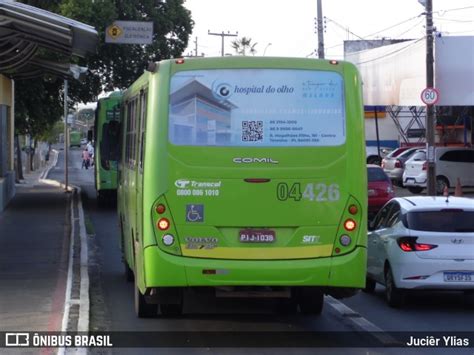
{"type": "Point", "coordinates": [394, 164]}
{"type": "Point", "coordinates": [422, 242]}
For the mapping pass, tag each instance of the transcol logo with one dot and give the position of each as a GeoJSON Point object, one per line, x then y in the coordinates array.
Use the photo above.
{"type": "Point", "coordinates": [181, 184]}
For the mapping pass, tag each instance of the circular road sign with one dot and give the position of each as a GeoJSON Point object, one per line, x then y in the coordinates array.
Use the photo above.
{"type": "Point", "coordinates": [430, 96]}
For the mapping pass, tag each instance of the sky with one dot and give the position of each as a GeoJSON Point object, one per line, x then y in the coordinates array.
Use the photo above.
{"type": "Point", "coordinates": [287, 27]}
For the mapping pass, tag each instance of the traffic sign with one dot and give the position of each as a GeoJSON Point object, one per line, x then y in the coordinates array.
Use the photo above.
{"type": "Point", "coordinates": [430, 96]}
{"type": "Point", "coordinates": [129, 32]}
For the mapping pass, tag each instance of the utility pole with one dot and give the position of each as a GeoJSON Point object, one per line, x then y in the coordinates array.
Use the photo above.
{"type": "Point", "coordinates": [430, 111]}
{"type": "Point", "coordinates": [228, 34]}
{"type": "Point", "coordinates": [320, 20]}
{"type": "Point", "coordinates": [196, 47]}
{"type": "Point", "coordinates": [66, 137]}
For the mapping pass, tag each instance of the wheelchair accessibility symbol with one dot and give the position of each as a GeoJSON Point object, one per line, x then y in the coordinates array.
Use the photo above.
{"type": "Point", "coordinates": [194, 213]}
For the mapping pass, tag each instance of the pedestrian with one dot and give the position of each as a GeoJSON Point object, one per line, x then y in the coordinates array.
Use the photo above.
{"type": "Point", "coordinates": [90, 149]}
{"type": "Point", "coordinates": [85, 159]}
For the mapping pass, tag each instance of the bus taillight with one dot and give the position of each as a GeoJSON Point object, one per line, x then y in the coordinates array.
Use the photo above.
{"type": "Point", "coordinates": [163, 224]}
{"type": "Point", "coordinates": [160, 209]}
{"type": "Point", "coordinates": [350, 225]}
{"type": "Point", "coordinates": [353, 209]}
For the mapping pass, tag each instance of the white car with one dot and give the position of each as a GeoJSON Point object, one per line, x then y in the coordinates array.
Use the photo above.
{"type": "Point", "coordinates": [422, 242]}
{"type": "Point", "coordinates": [84, 141]}
{"type": "Point", "coordinates": [452, 163]}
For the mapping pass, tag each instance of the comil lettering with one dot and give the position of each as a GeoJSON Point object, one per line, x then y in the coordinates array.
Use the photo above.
{"type": "Point", "coordinates": [254, 160]}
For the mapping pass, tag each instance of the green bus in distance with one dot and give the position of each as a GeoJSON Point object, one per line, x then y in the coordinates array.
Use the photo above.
{"type": "Point", "coordinates": [74, 139]}
{"type": "Point", "coordinates": [246, 175]}
{"type": "Point", "coordinates": [107, 147]}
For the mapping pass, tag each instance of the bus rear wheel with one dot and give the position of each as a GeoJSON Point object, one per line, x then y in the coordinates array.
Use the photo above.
{"type": "Point", "coordinates": [171, 309]}
{"type": "Point", "coordinates": [310, 300]}
{"type": "Point", "coordinates": [142, 308]}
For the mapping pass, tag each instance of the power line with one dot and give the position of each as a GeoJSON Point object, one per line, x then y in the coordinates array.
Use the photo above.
{"type": "Point", "coordinates": [395, 25]}
{"type": "Point", "coordinates": [452, 20]}
{"type": "Point", "coordinates": [412, 27]}
{"type": "Point", "coordinates": [393, 52]}
{"type": "Point", "coordinates": [344, 28]}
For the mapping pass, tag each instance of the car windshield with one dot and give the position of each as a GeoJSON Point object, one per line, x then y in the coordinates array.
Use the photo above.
{"type": "Point", "coordinates": [376, 174]}
{"type": "Point", "coordinates": [448, 220]}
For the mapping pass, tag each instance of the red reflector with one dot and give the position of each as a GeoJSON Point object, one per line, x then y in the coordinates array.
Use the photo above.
{"type": "Point", "coordinates": [337, 250]}
{"type": "Point", "coordinates": [333, 62]}
{"type": "Point", "coordinates": [257, 181]}
{"type": "Point", "coordinates": [209, 272]}
{"type": "Point", "coordinates": [425, 166]}
{"type": "Point", "coordinates": [179, 61]}
{"type": "Point", "coordinates": [163, 224]}
{"type": "Point", "coordinates": [160, 209]}
{"type": "Point", "coordinates": [350, 225]}
{"type": "Point", "coordinates": [353, 209]}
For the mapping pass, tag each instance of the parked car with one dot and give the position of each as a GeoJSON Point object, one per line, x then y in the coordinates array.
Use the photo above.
{"type": "Point", "coordinates": [84, 141]}
{"type": "Point", "coordinates": [422, 242]}
{"type": "Point", "coordinates": [373, 156]}
{"type": "Point", "coordinates": [452, 163]}
{"type": "Point", "coordinates": [380, 188]}
{"type": "Point", "coordinates": [394, 163]}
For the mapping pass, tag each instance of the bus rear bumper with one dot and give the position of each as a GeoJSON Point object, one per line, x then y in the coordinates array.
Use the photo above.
{"type": "Point", "coordinates": [341, 272]}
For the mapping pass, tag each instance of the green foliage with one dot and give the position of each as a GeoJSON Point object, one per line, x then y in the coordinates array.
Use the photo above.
{"type": "Point", "coordinates": [116, 66]}
{"type": "Point", "coordinates": [37, 105]}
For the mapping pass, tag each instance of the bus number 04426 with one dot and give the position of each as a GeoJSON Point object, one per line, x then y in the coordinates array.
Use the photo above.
{"type": "Point", "coordinates": [313, 192]}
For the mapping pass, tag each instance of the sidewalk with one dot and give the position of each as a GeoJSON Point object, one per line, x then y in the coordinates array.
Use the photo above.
{"type": "Point", "coordinates": [34, 247]}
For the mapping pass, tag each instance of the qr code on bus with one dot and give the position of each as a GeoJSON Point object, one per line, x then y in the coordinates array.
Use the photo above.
{"type": "Point", "coordinates": [252, 131]}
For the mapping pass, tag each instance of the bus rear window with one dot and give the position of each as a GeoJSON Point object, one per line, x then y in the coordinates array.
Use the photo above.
{"type": "Point", "coordinates": [257, 108]}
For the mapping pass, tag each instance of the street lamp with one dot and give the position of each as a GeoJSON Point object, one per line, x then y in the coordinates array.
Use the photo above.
{"type": "Point", "coordinates": [76, 72]}
{"type": "Point", "coordinates": [265, 50]}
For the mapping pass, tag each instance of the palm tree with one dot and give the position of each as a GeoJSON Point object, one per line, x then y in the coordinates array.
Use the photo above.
{"type": "Point", "coordinates": [243, 44]}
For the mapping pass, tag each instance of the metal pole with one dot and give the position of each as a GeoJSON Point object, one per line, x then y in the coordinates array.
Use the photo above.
{"type": "Point", "coordinates": [377, 131]}
{"type": "Point", "coordinates": [222, 37]}
{"type": "Point", "coordinates": [320, 31]}
{"type": "Point", "coordinates": [430, 113]}
{"type": "Point", "coordinates": [66, 140]}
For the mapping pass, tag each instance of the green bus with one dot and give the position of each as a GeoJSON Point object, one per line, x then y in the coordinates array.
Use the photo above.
{"type": "Point", "coordinates": [107, 147]}
{"type": "Point", "coordinates": [74, 139]}
{"type": "Point", "coordinates": [245, 176]}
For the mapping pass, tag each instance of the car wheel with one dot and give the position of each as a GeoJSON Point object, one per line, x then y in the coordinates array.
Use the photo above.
{"type": "Point", "coordinates": [415, 189]}
{"type": "Point", "coordinates": [393, 294]}
{"type": "Point", "coordinates": [369, 285]}
{"type": "Point", "coordinates": [469, 298]}
{"type": "Point", "coordinates": [310, 300]}
{"type": "Point", "coordinates": [441, 184]}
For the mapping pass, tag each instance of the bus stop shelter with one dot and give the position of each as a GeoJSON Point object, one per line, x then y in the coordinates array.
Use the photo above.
{"type": "Point", "coordinates": [25, 33]}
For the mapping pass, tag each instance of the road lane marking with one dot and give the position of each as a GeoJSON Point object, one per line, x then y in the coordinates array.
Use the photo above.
{"type": "Point", "coordinates": [360, 322]}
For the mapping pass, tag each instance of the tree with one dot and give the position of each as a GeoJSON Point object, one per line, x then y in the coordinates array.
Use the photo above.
{"type": "Point", "coordinates": [243, 44]}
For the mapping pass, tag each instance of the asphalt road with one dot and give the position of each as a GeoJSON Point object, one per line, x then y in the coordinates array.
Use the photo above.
{"type": "Point", "coordinates": [112, 299]}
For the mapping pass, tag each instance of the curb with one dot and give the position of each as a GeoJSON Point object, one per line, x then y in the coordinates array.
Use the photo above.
{"type": "Point", "coordinates": [83, 302]}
